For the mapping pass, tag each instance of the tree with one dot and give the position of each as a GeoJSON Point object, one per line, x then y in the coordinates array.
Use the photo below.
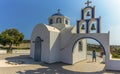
{"type": "Point", "coordinates": [10, 37]}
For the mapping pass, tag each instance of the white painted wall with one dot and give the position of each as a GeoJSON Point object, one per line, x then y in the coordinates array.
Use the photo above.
{"type": "Point", "coordinates": [54, 46]}
{"type": "Point", "coordinates": [59, 26]}
{"type": "Point", "coordinates": [65, 50]}
{"type": "Point", "coordinates": [58, 46]}
{"type": "Point", "coordinates": [114, 64]}
{"type": "Point", "coordinates": [41, 31]}
{"type": "Point", "coordinates": [80, 55]}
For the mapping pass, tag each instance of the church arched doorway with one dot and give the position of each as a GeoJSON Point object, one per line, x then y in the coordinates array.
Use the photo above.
{"type": "Point", "coordinates": [89, 38]}
{"type": "Point", "coordinates": [85, 55]}
{"type": "Point", "coordinates": [37, 52]}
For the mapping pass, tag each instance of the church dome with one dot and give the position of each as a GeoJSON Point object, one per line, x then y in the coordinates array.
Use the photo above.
{"type": "Point", "coordinates": [58, 19]}
{"type": "Point", "coordinates": [58, 13]}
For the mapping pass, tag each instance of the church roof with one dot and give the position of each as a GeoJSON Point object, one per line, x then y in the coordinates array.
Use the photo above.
{"type": "Point", "coordinates": [50, 28]}
{"type": "Point", "coordinates": [58, 13]}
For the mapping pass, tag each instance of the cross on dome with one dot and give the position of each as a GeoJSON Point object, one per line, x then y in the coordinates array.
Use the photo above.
{"type": "Point", "coordinates": [58, 13]}
{"type": "Point", "coordinates": [88, 2]}
{"type": "Point", "coordinates": [58, 10]}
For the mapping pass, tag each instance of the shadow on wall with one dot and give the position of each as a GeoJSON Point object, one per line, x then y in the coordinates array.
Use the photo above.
{"type": "Point", "coordinates": [55, 68]}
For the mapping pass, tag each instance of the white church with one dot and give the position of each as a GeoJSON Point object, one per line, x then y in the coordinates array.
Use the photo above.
{"type": "Point", "coordinates": [58, 41]}
{"type": "Point", "coordinates": [52, 42]}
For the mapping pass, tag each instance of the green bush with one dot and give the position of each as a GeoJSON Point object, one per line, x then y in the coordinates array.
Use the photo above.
{"type": "Point", "coordinates": [114, 55]}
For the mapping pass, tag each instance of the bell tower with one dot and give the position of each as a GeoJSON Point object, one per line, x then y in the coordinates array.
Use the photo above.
{"type": "Point", "coordinates": [89, 23]}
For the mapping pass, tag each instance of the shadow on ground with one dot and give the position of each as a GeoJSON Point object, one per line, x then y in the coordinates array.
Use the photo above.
{"type": "Point", "coordinates": [56, 68]}
{"type": "Point", "coordinates": [45, 68]}
{"type": "Point", "coordinates": [25, 59]}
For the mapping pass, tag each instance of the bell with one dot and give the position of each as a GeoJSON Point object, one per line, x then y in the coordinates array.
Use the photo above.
{"type": "Point", "coordinates": [83, 27]}
{"type": "Point", "coordinates": [88, 13]}
{"type": "Point", "coordinates": [93, 27]}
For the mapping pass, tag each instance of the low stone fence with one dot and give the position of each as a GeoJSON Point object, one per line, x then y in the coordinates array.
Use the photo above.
{"type": "Point", "coordinates": [21, 51]}
{"type": "Point", "coordinates": [15, 51]}
{"type": "Point", "coordinates": [2, 51]}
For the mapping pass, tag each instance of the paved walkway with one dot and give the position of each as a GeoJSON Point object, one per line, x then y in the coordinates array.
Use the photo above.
{"type": "Point", "coordinates": [31, 67]}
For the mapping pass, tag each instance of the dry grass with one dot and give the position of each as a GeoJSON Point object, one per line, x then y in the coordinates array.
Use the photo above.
{"type": "Point", "coordinates": [21, 46]}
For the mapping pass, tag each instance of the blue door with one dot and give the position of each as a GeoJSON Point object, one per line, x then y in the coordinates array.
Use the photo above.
{"type": "Point", "coordinates": [37, 53]}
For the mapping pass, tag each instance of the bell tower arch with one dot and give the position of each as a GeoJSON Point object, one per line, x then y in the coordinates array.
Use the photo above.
{"type": "Point", "coordinates": [88, 14]}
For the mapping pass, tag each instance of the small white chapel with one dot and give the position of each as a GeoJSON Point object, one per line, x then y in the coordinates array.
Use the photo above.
{"type": "Point", "coordinates": [55, 42]}
{"type": "Point", "coordinates": [58, 41]}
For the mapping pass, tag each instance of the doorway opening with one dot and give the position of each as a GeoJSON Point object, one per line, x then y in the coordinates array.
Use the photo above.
{"type": "Point", "coordinates": [37, 52]}
{"type": "Point", "coordinates": [83, 54]}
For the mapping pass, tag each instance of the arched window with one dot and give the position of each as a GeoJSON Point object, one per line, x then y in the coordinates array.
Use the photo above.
{"type": "Point", "coordinates": [51, 21]}
{"type": "Point", "coordinates": [66, 21]}
{"type": "Point", "coordinates": [93, 26]}
{"type": "Point", "coordinates": [80, 45]}
{"type": "Point", "coordinates": [58, 20]}
{"type": "Point", "coordinates": [88, 14]}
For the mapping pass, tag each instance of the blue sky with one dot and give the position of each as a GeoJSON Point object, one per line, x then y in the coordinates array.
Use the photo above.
{"type": "Point", "coordinates": [25, 14]}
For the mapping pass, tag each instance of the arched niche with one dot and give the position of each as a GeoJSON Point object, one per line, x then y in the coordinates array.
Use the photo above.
{"type": "Point", "coordinates": [51, 21]}
{"type": "Point", "coordinates": [83, 26]}
{"type": "Point", "coordinates": [58, 20]}
{"type": "Point", "coordinates": [92, 26]}
{"type": "Point", "coordinates": [66, 22]}
{"type": "Point", "coordinates": [86, 10]}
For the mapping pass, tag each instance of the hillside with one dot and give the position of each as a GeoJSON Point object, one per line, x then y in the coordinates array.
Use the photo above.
{"type": "Point", "coordinates": [114, 49]}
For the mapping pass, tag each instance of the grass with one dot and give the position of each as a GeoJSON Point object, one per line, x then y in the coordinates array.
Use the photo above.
{"type": "Point", "coordinates": [116, 56]}
{"type": "Point", "coordinates": [115, 50]}
{"type": "Point", "coordinates": [91, 47]}
{"type": "Point", "coordinates": [115, 53]}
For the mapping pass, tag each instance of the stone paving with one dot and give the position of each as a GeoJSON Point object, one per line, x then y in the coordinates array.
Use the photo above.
{"type": "Point", "coordinates": [31, 67]}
